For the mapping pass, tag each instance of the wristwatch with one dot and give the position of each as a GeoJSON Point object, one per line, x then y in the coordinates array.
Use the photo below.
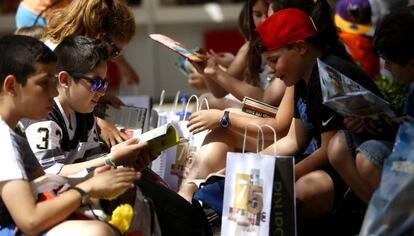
{"type": "Point", "coordinates": [225, 120]}
{"type": "Point", "coordinates": [84, 195]}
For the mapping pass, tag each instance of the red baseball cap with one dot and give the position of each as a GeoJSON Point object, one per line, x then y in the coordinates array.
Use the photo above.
{"type": "Point", "coordinates": [285, 27]}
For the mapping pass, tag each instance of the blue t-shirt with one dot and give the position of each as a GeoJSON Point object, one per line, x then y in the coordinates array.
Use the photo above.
{"type": "Point", "coordinates": [409, 102]}
{"type": "Point", "coordinates": [26, 18]}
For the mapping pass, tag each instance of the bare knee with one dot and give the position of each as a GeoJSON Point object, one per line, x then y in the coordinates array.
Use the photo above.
{"type": "Point", "coordinates": [338, 150]}
{"type": "Point", "coordinates": [82, 227]}
{"type": "Point", "coordinates": [314, 194]}
{"type": "Point", "coordinates": [368, 171]}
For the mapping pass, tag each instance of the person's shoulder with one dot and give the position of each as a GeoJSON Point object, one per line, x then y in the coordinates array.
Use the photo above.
{"type": "Point", "coordinates": [37, 127]}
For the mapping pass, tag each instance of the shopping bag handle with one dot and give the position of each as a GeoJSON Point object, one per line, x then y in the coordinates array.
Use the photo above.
{"type": "Point", "coordinates": [162, 97]}
{"type": "Point", "coordinates": [177, 96]}
{"type": "Point", "coordinates": [274, 137]}
{"type": "Point", "coordinates": [204, 101]}
{"type": "Point", "coordinates": [259, 133]}
{"type": "Point", "coordinates": [188, 103]}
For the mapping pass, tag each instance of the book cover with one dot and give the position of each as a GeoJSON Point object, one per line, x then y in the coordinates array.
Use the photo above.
{"type": "Point", "coordinates": [161, 138]}
{"type": "Point", "coordinates": [347, 97]}
{"type": "Point", "coordinates": [258, 108]}
{"type": "Point", "coordinates": [176, 47]}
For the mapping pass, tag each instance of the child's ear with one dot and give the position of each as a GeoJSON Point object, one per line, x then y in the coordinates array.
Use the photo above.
{"type": "Point", "coordinates": [64, 79]}
{"type": "Point", "coordinates": [10, 85]}
{"type": "Point", "coordinates": [301, 46]}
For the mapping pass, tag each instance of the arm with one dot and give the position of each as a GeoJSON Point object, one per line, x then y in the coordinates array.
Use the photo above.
{"type": "Point", "coordinates": [293, 143]}
{"type": "Point", "coordinates": [209, 119]}
{"type": "Point", "coordinates": [33, 218]}
{"type": "Point", "coordinates": [238, 66]}
{"type": "Point", "coordinates": [317, 159]}
{"type": "Point", "coordinates": [271, 95]}
{"type": "Point", "coordinates": [45, 139]}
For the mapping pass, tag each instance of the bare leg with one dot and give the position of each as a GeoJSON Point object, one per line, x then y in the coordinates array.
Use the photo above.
{"type": "Point", "coordinates": [341, 159]}
{"type": "Point", "coordinates": [211, 158]}
{"type": "Point", "coordinates": [314, 195]}
{"type": "Point", "coordinates": [82, 227]}
{"type": "Point", "coordinates": [368, 171]}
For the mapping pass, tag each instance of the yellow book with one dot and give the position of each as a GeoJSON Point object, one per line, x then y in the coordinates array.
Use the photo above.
{"type": "Point", "coordinates": [160, 138]}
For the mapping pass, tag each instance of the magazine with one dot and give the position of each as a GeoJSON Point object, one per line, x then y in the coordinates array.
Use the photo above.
{"type": "Point", "coordinates": [176, 47]}
{"type": "Point", "coordinates": [258, 108]}
{"type": "Point", "coordinates": [348, 98]}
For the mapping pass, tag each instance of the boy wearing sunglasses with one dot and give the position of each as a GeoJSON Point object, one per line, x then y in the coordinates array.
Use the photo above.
{"type": "Point", "coordinates": [69, 133]}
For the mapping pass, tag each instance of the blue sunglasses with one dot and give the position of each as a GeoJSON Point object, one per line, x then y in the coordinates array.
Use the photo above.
{"type": "Point", "coordinates": [97, 82]}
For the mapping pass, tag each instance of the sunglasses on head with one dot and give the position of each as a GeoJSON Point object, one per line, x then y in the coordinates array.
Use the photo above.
{"type": "Point", "coordinates": [97, 82]}
{"type": "Point", "coordinates": [115, 50]}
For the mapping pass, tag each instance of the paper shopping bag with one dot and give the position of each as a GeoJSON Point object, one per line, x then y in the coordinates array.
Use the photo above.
{"type": "Point", "coordinates": [174, 163]}
{"type": "Point", "coordinates": [259, 197]}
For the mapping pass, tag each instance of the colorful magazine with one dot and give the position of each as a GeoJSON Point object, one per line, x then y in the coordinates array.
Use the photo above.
{"type": "Point", "coordinates": [347, 97]}
{"type": "Point", "coordinates": [176, 47]}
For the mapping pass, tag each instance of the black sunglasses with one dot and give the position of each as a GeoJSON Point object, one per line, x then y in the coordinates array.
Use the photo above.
{"type": "Point", "coordinates": [97, 82]}
{"type": "Point", "coordinates": [115, 50]}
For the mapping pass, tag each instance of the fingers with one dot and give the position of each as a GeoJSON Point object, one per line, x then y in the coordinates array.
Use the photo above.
{"type": "Point", "coordinates": [354, 124]}
{"type": "Point", "coordinates": [125, 175]}
{"type": "Point", "coordinates": [101, 169]}
{"type": "Point", "coordinates": [112, 141]}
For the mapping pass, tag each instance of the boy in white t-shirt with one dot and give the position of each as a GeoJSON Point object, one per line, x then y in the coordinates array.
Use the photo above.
{"type": "Point", "coordinates": [28, 85]}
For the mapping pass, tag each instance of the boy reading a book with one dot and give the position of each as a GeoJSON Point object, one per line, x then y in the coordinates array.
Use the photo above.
{"type": "Point", "coordinates": [291, 45]}
{"type": "Point", "coordinates": [67, 142]}
{"type": "Point", "coordinates": [387, 213]}
{"type": "Point", "coordinates": [393, 41]}
{"type": "Point", "coordinates": [28, 85]}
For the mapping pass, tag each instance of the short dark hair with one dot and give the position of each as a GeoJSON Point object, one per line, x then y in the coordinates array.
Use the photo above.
{"type": "Point", "coordinates": [394, 36]}
{"type": "Point", "coordinates": [80, 54]}
{"type": "Point", "coordinates": [20, 55]}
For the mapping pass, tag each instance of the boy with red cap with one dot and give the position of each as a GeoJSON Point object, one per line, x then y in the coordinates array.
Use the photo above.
{"type": "Point", "coordinates": [291, 44]}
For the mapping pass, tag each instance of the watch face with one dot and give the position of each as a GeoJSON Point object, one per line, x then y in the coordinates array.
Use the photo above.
{"type": "Point", "coordinates": [224, 123]}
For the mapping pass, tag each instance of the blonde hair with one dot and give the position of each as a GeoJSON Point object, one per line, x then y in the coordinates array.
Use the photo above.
{"type": "Point", "coordinates": [92, 18]}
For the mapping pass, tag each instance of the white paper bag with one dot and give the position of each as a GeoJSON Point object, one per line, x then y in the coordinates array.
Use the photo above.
{"type": "Point", "coordinates": [259, 196]}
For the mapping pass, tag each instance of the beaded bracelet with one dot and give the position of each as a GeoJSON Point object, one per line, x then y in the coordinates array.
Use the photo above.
{"type": "Point", "coordinates": [108, 161]}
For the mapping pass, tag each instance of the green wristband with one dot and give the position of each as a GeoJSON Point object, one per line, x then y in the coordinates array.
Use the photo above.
{"type": "Point", "coordinates": [108, 161]}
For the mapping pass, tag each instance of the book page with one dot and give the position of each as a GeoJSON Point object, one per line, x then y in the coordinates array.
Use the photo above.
{"type": "Point", "coordinates": [347, 97]}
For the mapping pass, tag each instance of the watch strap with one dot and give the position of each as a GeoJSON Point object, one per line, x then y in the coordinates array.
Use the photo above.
{"type": "Point", "coordinates": [84, 195]}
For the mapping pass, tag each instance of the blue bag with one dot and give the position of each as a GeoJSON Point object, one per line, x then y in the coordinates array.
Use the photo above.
{"type": "Point", "coordinates": [390, 211]}
{"type": "Point", "coordinates": [211, 194]}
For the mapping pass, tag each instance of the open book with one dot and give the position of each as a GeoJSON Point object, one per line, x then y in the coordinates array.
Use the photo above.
{"type": "Point", "coordinates": [160, 138]}
{"type": "Point", "coordinates": [176, 47]}
{"type": "Point", "coordinates": [348, 98]}
{"type": "Point", "coordinates": [258, 108]}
